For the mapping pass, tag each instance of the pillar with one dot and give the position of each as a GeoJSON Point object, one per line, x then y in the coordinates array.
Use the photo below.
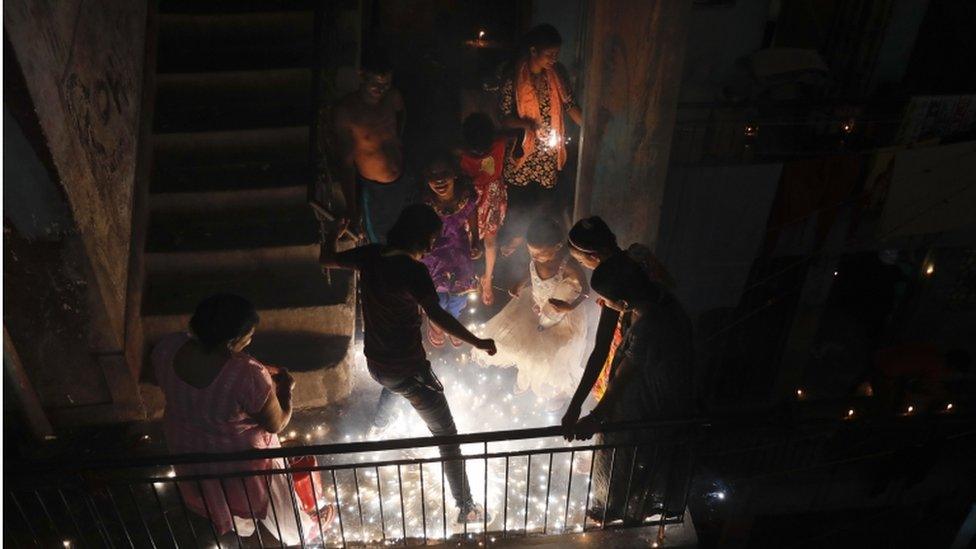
{"type": "Point", "coordinates": [632, 62]}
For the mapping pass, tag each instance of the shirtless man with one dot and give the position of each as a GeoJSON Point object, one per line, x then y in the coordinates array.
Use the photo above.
{"type": "Point", "coordinates": [368, 124]}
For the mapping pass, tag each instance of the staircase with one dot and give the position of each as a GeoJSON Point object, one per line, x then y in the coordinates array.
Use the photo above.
{"type": "Point", "coordinates": [227, 202]}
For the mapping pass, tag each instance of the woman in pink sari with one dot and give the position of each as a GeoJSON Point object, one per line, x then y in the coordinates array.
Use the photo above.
{"type": "Point", "coordinates": [220, 399]}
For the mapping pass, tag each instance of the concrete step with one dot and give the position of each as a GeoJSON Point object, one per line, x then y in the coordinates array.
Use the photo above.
{"type": "Point", "coordinates": [205, 42]}
{"type": "Point", "coordinates": [232, 100]}
{"type": "Point", "coordinates": [229, 260]}
{"type": "Point", "coordinates": [223, 6]}
{"type": "Point", "coordinates": [280, 329]}
{"type": "Point", "coordinates": [269, 286]}
{"type": "Point", "coordinates": [287, 145]}
{"type": "Point", "coordinates": [242, 175]}
{"type": "Point", "coordinates": [236, 200]}
{"type": "Point", "coordinates": [231, 229]}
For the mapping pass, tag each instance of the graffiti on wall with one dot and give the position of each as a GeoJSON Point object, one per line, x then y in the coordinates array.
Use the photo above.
{"type": "Point", "coordinates": [82, 61]}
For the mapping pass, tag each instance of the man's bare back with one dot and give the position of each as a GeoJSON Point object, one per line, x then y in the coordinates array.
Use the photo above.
{"type": "Point", "coordinates": [368, 135]}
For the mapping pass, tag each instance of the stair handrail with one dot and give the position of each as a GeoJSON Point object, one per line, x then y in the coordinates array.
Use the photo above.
{"type": "Point", "coordinates": [321, 182]}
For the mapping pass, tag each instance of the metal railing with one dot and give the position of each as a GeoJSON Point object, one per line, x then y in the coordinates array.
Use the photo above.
{"type": "Point", "coordinates": [531, 483]}
{"type": "Point", "coordinates": [529, 488]}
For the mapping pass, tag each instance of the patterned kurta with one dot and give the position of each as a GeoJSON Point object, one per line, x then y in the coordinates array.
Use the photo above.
{"type": "Point", "coordinates": [486, 174]}
{"type": "Point", "coordinates": [449, 261]}
{"type": "Point", "coordinates": [541, 165]}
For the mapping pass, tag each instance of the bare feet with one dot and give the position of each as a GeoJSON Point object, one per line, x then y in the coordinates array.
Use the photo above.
{"type": "Point", "coordinates": [487, 292]}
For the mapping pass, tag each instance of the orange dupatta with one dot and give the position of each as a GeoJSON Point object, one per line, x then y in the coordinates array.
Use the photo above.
{"type": "Point", "coordinates": [527, 105]}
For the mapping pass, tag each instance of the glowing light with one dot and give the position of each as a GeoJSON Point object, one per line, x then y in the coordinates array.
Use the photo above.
{"type": "Point", "coordinates": [471, 310]}
{"type": "Point", "coordinates": [799, 393]}
{"type": "Point", "coordinates": [66, 542]}
{"type": "Point", "coordinates": [948, 406]}
{"type": "Point", "coordinates": [472, 297]}
{"type": "Point", "coordinates": [836, 273]}
{"type": "Point", "coordinates": [847, 126]}
{"type": "Point", "coordinates": [720, 495]}
{"type": "Point", "coordinates": [850, 413]}
{"type": "Point", "coordinates": [482, 34]}
{"type": "Point", "coordinates": [553, 139]}
{"type": "Point", "coordinates": [751, 130]}
{"type": "Point", "coordinates": [171, 473]}
{"type": "Point", "coordinates": [930, 269]}
{"type": "Point", "coordinates": [292, 434]}
{"type": "Point", "coordinates": [911, 409]}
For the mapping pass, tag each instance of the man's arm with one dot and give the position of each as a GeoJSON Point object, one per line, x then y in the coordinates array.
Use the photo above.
{"type": "Point", "coordinates": [330, 258]}
{"type": "Point", "coordinates": [449, 324]}
{"type": "Point", "coordinates": [604, 337]}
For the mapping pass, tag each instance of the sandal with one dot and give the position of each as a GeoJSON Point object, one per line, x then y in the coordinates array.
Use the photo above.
{"type": "Point", "coordinates": [456, 342]}
{"type": "Point", "coordinates": [324, 517]}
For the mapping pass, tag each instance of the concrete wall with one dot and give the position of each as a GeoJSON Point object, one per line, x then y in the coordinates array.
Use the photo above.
{"type": "Point", "coordinates": [718, 37]}
{"type": "Point", "coordinates": [634, 51]}
{"type": "Point", "coordinates": [79, 69]}
{"type": "Point", "coordinates": [82, 61]}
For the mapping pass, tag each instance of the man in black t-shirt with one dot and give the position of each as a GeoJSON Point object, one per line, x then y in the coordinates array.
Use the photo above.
{"type": "Point", "coordinates": [394, 285]}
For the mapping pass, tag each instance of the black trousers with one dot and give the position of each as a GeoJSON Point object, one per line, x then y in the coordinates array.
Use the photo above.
{"type": "Point", "coordinates": [426, 394]}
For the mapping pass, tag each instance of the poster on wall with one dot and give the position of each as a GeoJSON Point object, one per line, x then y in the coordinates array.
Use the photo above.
{"type": "Point", "coordinates": [932, 190]}
{"type": "Point", "coordinates": [933, 116]}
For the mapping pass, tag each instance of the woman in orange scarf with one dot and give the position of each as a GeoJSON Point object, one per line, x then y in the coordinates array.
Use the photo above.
{"type": "Point", "coordinates": [534, 97]}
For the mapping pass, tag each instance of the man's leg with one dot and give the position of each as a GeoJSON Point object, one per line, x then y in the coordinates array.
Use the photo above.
{"type": "Point", "coordinates": [385, 409]}
{"type": "Point", "coordinates": [431, 405]}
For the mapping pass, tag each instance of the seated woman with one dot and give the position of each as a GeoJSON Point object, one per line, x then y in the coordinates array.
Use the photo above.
{"type": "Point", "coordinates": [542, 330]}
{"type": "Point", "coordinates": [219, 399]}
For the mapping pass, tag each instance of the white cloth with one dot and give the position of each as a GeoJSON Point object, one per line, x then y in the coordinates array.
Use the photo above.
{"type": "Point", "coordinates": [283, 507]}
{"type": "Point", "coordinates": [547, 347]}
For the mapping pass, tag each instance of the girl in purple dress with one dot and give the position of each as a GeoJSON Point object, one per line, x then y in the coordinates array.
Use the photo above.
{"type": "Point", "coordinates": [451, 260]}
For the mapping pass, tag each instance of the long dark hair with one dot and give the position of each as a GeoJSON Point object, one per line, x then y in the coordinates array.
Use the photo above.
{"type": "Point", "coordinates": [222, 318]}
{"type": "Point", "coordinates": [539, 37]}
{"type": "Point", "coordinates": [592, 234]}
{"type": "Point", "coordinates": [622, 278]}
{"type": "Point", "coordinates": [414, 228]}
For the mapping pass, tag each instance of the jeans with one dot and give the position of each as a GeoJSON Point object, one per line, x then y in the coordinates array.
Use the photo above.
{"type": "Point", "coordinates": [452, 303]}
{"type": "Point", "coordinates": [426, 394]}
